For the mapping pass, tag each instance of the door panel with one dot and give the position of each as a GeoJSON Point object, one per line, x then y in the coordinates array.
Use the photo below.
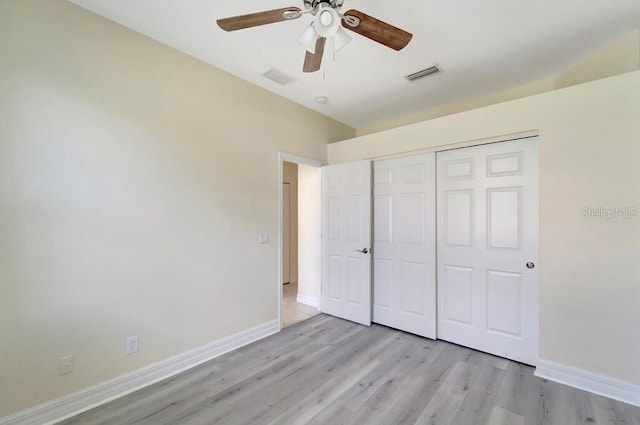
{"type": "Point", "coordinates": [411, 215]}
{"type": "Point", "coordinates": [458, 217]}
{"type": "Point", "coordinates": [504, 304]}
{"type": "Point", "coordinates": [412, 276]}
{"type": "Point", "coordinates": [488, 231]}
{"type": "Point", "coordinates": [457, 294]}
{"type": "Point", "coordinates": [383, 283]}
{"type": "Point", "coordinates": [504, 218]}
{"type": "Point", "coordinates": [404, 244]}
{"type": "Point", "coordinates": [346, 229]}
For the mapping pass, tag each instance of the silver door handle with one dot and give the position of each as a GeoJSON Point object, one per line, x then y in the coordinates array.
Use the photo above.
{"type": "Point", "coordinates": [363, 250]}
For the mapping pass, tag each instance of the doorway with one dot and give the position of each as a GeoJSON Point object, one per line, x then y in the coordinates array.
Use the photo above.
{"type": "Point", "coordinates": [300, 244]}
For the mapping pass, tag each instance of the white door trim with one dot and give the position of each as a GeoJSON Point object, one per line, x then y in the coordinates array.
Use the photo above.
{"type": "Point", "coordinates": [282, 158]}
{"type": "Point", "coordinates": [286, 233]}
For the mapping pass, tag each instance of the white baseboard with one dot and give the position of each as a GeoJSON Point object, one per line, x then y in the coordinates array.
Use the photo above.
{"type": "Point", "coordinates": [588, 381]}
{"type": "Point", "coordinates": [73, 404]}
{"type": "Point", "coordinates": [306, 300]}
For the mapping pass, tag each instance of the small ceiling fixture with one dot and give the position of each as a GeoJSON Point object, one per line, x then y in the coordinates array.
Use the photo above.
{"type": "Point", "coordinates": [328, 23]}
{"type": "Point", "coordinates": [322, 100]}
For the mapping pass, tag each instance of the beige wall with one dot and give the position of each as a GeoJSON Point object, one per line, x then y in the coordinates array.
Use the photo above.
{"type": "Point", "coordinates": [621, 56]}
{"type": "Point", "coordinates": [463, 105]}
{"type": "Point", "coordinates": [589, 157]}
{"type": "Point", "coordinates": [290, 175]}
{"type": "Point", "coordinates": [616, 58]}
{"type": "Point", "coordinates": [133, 183]}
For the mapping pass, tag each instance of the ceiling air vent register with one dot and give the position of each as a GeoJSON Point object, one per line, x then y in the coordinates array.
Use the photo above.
{"type": "Point", "coordinates": [424, 73]}
{"type": "Point", "coordinates": [279, 77]}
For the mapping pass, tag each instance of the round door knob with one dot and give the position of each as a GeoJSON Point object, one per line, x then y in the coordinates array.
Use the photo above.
{"type": "Point", "coordinates": [530, 265]}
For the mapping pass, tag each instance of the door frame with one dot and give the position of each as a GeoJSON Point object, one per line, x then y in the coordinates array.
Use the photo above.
{"type": "Point", "coordinates": [296, 159]}
{"type": "Point", "coordinates": [286, 245]}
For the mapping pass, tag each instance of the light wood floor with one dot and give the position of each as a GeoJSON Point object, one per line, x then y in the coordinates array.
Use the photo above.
{"type": "Point", "coordinates": [292, 311]}
{"type": "Point", "coordinates": [329, 371]}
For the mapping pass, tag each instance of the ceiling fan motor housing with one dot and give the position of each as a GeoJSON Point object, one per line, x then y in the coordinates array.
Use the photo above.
{"type": "Point", "coordinates": [327, 21]}
{"type": "Point", "coordinates": [313, 4]}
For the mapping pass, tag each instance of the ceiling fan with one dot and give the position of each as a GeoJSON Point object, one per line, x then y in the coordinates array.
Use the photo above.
{"type": "Point", "coordinates": [326, 24]}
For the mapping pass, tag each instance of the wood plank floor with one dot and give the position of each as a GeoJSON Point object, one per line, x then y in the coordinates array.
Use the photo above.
{"type": "Point", "coordinates": [330, 371]}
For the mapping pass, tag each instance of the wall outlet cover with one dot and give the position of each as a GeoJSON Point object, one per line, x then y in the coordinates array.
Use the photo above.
{"type": "Point", "coordinates": [132, 345]}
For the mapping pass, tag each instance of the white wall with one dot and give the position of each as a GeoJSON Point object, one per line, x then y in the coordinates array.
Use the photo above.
{"type": "Point", "coordinates": [589, 157]}
{"type": "Point", "coordinates": [133, 183]}
{"type": "Point", "coordinates": [309, 235]}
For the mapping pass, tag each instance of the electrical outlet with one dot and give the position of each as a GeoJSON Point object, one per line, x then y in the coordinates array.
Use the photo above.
{"type": "Point", "coordinates": [132, 345]}
{"type": "Point", "coordinates": [65, 365]}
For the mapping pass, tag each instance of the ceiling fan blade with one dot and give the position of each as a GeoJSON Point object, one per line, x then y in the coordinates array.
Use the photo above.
{"type": "Point", "coordinates": [255, 19]}
{"type": "Point", "coordinates": [313, 61]}
{"type": "Point", "coordinates": [378, 30]}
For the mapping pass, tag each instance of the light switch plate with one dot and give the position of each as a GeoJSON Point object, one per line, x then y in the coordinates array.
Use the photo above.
{"type": "Point", "coordinates": [263, 238]}
{"type": "Point", "coordinates": [66, 365]}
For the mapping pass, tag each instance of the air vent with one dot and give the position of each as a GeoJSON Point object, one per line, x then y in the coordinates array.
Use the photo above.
{"type": "Point", "coordinates": [425, 72]}
{"type": "Point", "coordinates": [278, 76]}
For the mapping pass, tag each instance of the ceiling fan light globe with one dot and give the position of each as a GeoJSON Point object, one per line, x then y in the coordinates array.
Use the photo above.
{"type": "Point", "coordinates": [341, 39]}
{"type": "Point", "coordinates": [326, 18]}
{"type": "Point", "coordinates": [308, 39]}
{"type": "Point", "coordinates": [327, 22]}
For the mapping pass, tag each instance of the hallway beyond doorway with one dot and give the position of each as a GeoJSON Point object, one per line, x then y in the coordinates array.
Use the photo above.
{"type": "Point", "coordinates": [292, 311]}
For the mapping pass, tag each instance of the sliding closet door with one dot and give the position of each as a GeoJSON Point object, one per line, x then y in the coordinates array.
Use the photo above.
{"type": "Point", "coordinates": [488, 248]}
{"type": "Point", "coordinates": [404, 275]}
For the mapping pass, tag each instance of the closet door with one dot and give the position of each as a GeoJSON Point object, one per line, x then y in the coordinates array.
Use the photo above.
{"type": "Point", "coordinates": [404, 275]}
{"type": "Point", "coordinates": [488, 248]}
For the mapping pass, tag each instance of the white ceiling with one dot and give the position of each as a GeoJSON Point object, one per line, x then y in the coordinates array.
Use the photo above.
{"type": "Point", "coordinates": [481, 46]}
